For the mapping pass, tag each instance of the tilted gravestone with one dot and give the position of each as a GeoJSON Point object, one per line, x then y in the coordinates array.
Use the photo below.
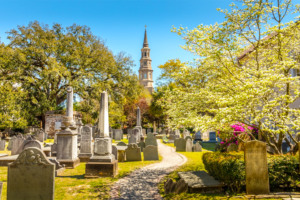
{"type": "Point", "coordinates": [151, 140]}
{"type": "Point", "coordinates": [86, 148]}
{"type": "Point", "coordinates": [17, 145]}
{"type": "Point", "coordinates": [118, 134]}
{"type": "Point", "coordinates": [132, 140]}
{"type": "Point", "coordinates": [181, 187]}
{"type": "Point", "coordinates": [169, 186]}
{"type": "Point", "coordinates": [150, 153]}
{"type": "Point", "coordinates": [31, 176]}
{"type": "Point", "coordinates": [2, 145]}
{"type": "Point", "coordinates": [121, 144]}
{"type": "Point", "coordinates": [133, 153]}
{"type": "Point", "coordinates": [180, 144]}
{"type": "Point", "coordinates": [232, 147]}
{"type": "Point", "coordinates": [189, 145]}
{"type": "Point", "coordinates": [115, 151]}
{"type": "Point", "coordinates": [256, 167]}
{"type": "Point", "coordinates": [142, 145]}
{"type": "Point", "coordinates": [197, 147]}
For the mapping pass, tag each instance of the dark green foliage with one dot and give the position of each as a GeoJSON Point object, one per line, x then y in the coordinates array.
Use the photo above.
{"type": "Point", "coordinates": [230, 169]}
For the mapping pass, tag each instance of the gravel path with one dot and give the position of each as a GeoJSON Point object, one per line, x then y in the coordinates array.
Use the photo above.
{"type": "Point", "coordinates": [142, 183]}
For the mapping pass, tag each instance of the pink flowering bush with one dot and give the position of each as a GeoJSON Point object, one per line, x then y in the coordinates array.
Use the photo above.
{"type": "Point", "coordinates": [237, 129]}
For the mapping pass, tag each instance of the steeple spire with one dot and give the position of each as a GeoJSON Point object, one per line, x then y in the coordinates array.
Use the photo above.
{"type": "Point", "coordinates": [145, 38]}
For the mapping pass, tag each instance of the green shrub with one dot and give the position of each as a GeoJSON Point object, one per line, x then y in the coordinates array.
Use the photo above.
{"type": "Point", "coordinates": [229, 168]}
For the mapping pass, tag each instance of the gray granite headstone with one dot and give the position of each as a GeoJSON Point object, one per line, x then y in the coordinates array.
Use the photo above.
{"type": "Point", "coordinates": [31, 176]}
{"type": "Point", "coordinates": [189, 145]}
{"type": "Point", "coordinates": [121, 144]}
{"type": "Point", "coordinates": [212, 136]}
{"type": "Point", "coordinates": [148, 130]}
{"type": "Point", "coordinates": [173, 137]}
{"type": "Point", "coordinates": [118, 134]}
{"type": "Point", "coordinates": [175, 141]}
{"type": "Point", "coordinates": [86, 148]}
{"type": "Point", "coordinates": [198, 136]}
{"type": "Point", "coordinates": [2, 145]}
{"type": "Point", "coordinates": [151, 140]}
{"type": "Point", "coordinates": [133, 153]}
{"type": "Point", "coordinates": [150, 153]}
{"type": "Point", "coordinates": [132, 140]}
{"type": "Point", "coordinates": [10, 143]}
{"type": "Point", "coordinates": [32, 143]}
{"type": "Point", "coordinates": [142, 145]}
{"type": "Point", "coordinates": [136, 133]}
{"type": "Point", "coordinates": [53, 149]}
{"type": "Point", "coordinates": [17, 145]}
{"type": "Point", "coordinates": [197, 147]}
{"type": "Point", "coordinates": [115, 151]}
{"type": "Point", "coordinates": [180, 144]}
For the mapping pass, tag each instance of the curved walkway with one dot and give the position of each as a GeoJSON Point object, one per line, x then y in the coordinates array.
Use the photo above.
{"type": "Point", "coordinates": [142, 183]}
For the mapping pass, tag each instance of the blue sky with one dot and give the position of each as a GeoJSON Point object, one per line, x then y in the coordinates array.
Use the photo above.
{"type": "Point", "coordinates": [120, 22]}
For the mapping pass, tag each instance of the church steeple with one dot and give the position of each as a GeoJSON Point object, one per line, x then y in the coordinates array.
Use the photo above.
{"type": "Point", "coordinates": [146, 72]}
{"type": "Point", "coordinates": [145, 39]}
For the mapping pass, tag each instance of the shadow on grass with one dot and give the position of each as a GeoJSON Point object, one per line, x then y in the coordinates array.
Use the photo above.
{"type": "Point", "coordinates": [74, 176]}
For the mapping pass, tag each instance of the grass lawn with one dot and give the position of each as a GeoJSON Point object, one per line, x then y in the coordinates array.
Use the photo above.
{"type": "Point", "coordinates": [73, 185]}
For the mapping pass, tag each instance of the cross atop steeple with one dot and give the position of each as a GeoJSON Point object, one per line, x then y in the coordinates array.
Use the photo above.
{"type": "Point", "coordinates": [145, 38]}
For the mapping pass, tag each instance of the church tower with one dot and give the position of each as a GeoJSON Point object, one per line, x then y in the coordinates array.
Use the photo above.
{"type": "Point", "coordinates": [145, 72]}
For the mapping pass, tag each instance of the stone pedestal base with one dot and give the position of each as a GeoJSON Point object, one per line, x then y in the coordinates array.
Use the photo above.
{"type": "Point", "coordinates": [70, 164]}
{"type": "Point", "coordinates": [85, 157]}
{"type": "Point", "coordinates": [101, 169]}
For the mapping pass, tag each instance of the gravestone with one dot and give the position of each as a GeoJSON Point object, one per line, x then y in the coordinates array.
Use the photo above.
{"type": "Point", "coordinates": [129, 132]}
{"type": "Point", "coordinates": [121, 144]}
{"type": "Point", "coordinates": [86, 148]}
{"type": "Point", "coordinates": [181, 187]}
{"type": "Point", "coordinates": [118, 134]}
{"type": "Point", "coordinates": [31, 176]}
{"type": "Point", "coordinates": [185, 133]}
{"type": "Point", "coordinates": [114, 151]}
{"type": "Point", "coordinates": [2, 145]}
{"type": "Point", "coordinates": [132, 140]}
{"type": "Point", "coordinates": [94, 132]}
{"type": "Point", "coordinates": [53, 149]}
{"type": "Point", "coordinates": [197, 147]}
{"type": "Point", "coordinates": [169, 186]}
{"type": "Point", "coordinates": [188, 137]}
{"type": "Point", "coordinates": [175, 141]}
{"type": "Point", "coordinates": [189, 145]}
{"type": "Point", "coordinates": [151, 140]}
{"type": "Point", "coordinates": [137, 134]}
{"type": "Point", "coordinates": [232, 147]}
{"type": "Point", "coordinates": [17, 145]}
{"type": "Point", "coordinates": [144, 132]}
{"type": "Point", "coordinates": [41, 136]}
{"type": "Point", "coordinates": [198, 136]}
{"type": "Point", "coordinates": [142, 145]}
{"type": "Point", "coordinates": [148, 130]}
{"type": "Point", "coordinates": [32, 142]}
{"type": "Point", "coordinates": [150, 153]}
{"type": "Point", "coordinates": [256, 167]}
{"type": "Point", "coordinates": [180, 144]}
{"type": "Point", "coordinates": [10, 143]}
{"type": "Point", "coordinates": [133, 153]}
{"type": "Point", "coordinates": [212, 136]}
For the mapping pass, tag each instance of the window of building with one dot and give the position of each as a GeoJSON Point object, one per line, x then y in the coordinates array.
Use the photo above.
{"type": "Point", "coordinates": [145, 75]}
{"type": "Point", "coordinates": [145, 54]}
{"type": "Point", "coordinates": [145, 63]}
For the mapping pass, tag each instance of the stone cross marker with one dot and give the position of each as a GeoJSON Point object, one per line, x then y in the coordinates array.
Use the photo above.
{"type": "Point", "coordinates": [151, 140]}
{"type": "Point", "coordinates": [150, 153]}
{"type": "Point", "coordinates": [31, 176]}
{"type": "Point", "coordinates": [133, 153]}
{"type": "Point", "coordinates": [86, 149]}
{"type": "Point", "coordinates": [256, 166]}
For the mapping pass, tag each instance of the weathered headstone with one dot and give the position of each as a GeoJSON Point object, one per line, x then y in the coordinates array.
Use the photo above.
{"type": "Point", "coordinates": [198, 136]}
{"type": "Point", "coordinates": [133, 153]}
{"type": "Point", "coordinates": [150, 153]}
{"type": "Point", "coordinates": [256, 167]}
{"type": "Point", "coordinates": [132, 140]}
{"type": "Point", "coordinates": [129, 132]}
{"type": "Point", "coordinates": [118, 134]}
{"type": "Point", "coordinates": [41, 136]}
{"type": "Point", "coordinates": [175, 141]}
{"type": "Point", "coordinates": [86, 148]}
{"type": "Point", "coordinates": [121, 144]}
{"type": "Point", "coordinates": [188, 137]}
{"type": "Point", "coordinates": [148, 130]}
{"type": "Point", "coordinates": [180, 144]}
{"type": "Point", "coordinates": [144, 132]}
{"type": "Point", "coordinates": [169, 186]}
{"type": "Point", "coordinates": [232, 147]}
{"type": "Point", "coordinates": [181, 187]}
{"type": "Point", "coordinates": [212, 136]}
{"type": "Point", "coordinates": [151, 140]}
{"type": "Point", "coordinates": [189, 145]}
{"type": "Point", "coordinates": [114, 151]}
{"type": "Point", "coordinates": [197, 147]}
{"type": "Point", "coordinates": [185, 133]}
{"type": "Point", "coordinates": [2, 145]}
{"type": "Point", "coordinates": [10, 143]}
{"type": "Point", "coordinates": [94, 132]}
{"type": "Point", "coordinates": [142, 145]}
{"type": "Point", "coordinates": [17, 145]}
{"type": "Point", "coordinates": [32, 142]}
{"type": "Point", "coordinates": [31, 176]}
